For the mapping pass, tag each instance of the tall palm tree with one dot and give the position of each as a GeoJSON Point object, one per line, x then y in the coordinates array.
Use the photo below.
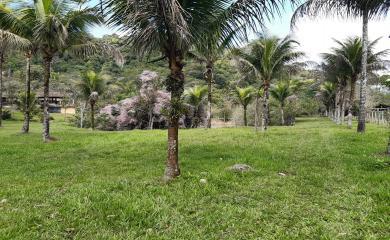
{"type": "Point", "coordinates": [244, 98]}
{"type": "Point", "coordinates": [350, 54]}
{"type": "Point", "coordinates": [336, 71]}
{"type": "Point", "coordinates": [172, 27]}
{"type": "Point", "coordinates": [59, 27]}
{"type": "Point", "coordinates": [210, 48]}
{"type": "Point", "coordinates": [281, 91]}
{"type": "Point", "coordinates": [366, 9]}
{"type": "Point", "coordinates": [91, 86]}
{"type": "Point", "coordinates": [12, 20]}
{"type": "Point", "coordinates": [207, 53]}
{"type": "Point", "coordinates": [8, 41]}
{"type": "Point", "coordinates": [195, 97]}
{"type": "Point", "coordinates": [267, 56]}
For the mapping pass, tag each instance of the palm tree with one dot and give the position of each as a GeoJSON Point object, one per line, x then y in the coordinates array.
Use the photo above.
{"type": "Point", "coordinates": [58, 28]}
{"type": "Point", "coordinates": [91, 86]}
{"type": "Point", "coordinates": [244, 98]}
{"type": "Point", "coordinates": [366, 9]}
{"type": "Point", "coordinates": [210, 48]}
{"type": "Point", "coordinates": [336, 71]}
{"type": "Point", "coordinates": [281, 91]}
{"type": "Point", "coordinates": [195, 97]}
{"type": "Point", "coordinates": [12, 20]}
{"type": "Point", "coordinates": [328, 93]}
{"type": "Point", "coordinates": [350, 53]}
{"type": "Point", "coordinates": [207, 53]}
{"type": "Point", "coordinates": [173, 27]}
{"type": "Point", "coordinates": [8, 41]}
{"type": "Point", "coordinates": [267, 57]}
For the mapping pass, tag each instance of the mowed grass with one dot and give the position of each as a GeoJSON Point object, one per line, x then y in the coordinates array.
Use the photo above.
{"type": "Point", "coordinates": [107, 185]}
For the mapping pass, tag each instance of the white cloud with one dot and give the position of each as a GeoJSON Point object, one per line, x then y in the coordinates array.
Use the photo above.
{"type": "Point", "coordinates": [316, 36]}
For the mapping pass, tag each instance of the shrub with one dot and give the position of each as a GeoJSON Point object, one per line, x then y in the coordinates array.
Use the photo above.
{"type": "Point", "coordinates": [40, 115]}
{"type": "Point", "coordinates": [6, 114]}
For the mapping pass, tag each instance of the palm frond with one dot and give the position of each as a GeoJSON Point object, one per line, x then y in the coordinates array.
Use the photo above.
{"type": "Point", "coordinates": [93, 48]}
{"type": "Point", "coordinates": [196, 94]}
{"type": "Point", "coordinates": [9, 40]}
{"type": "Point", "coordinates": [244, 95]}
{"type": "Point", "coordinates": [341, 8]}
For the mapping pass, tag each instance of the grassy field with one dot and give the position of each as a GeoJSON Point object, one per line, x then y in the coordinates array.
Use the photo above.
{"type": "Point", "coordinates": [107, 185]}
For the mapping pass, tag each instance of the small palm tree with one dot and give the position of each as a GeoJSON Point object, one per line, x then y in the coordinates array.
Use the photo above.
{"type": "Point", "coordinates": [244, 98]}
{"type": "Point", "coordinates": [91, 86]}
{"type": "Point", "coordinates": [328, 93]}
{"type": "Point", "coordinates": [366, 9]}
{"type": "Point", "coordinates": [195, 97]}
{"type": "Point", "coordinates": [281, 91]}
{"type": "Point", "coordinates": [266, 57]}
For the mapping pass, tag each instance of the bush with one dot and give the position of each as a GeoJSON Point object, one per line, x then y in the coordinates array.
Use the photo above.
{"type": "Point", "coordinates": [35, 109]}
{"type": "Point", "coordinates": [6, 114]}
{"type": "Point", "coordinates": [105, 122]}
{"type": "Point", "coordinates": [40, 115]}
{"type": "Point", "coordinates": [76, 119]}
{"type": "Point", "coordinates": [308, 107]}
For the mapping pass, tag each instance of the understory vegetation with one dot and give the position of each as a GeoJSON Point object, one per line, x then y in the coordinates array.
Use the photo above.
{"type": "Point", "coordinates": [316, 180]}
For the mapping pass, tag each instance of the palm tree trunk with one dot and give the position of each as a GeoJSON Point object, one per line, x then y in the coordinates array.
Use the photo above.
{"type": "Point", "coordinates": [265, 119]}
{"type": "Point", "coordinates": [337, 107]}
{"type": "Point", "coordinates": [26, 123]}
{"type": "Point", "coordinates": [351, 101]}
{"type": "Point", "coordinates": [1, 87]}
{"type": "Point", "coordinates": [82, 110]}
{"type": "Point", "coordinates": [282, 114]}
{"type": "Point", "coordinates": [46, 115]}
{"type": "Point", "coordinates": [195, 118]}
{"type": "Point", "coordinates": [388, 147]}
{"type": "Point", "coordinates": [151, 119]}
{"type": "Point", "coordinates": [257, 111]}
{"type": "Point", "coordinates": [175, 85]}
{"type": "Point", "coordinates": [209, 74]}
{"type": "Point", "coordinates": [245, 118]}
{"type": "Point", "coordinates": [342, 107]}
{"type": "Point", "coordinates": [92, 115]}
{"type": "Point", "coordinates": [363, 82]}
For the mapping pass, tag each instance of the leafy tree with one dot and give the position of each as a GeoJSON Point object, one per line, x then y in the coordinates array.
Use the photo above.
{"type": "Point", "coordinates": [366, 9]}
{"type": "Point", "coordinates": [173, 27]}
{"type": "Point", "coordinates": [266, 57]}
{"type": "Point", "coordinates": [91, 86]}
{"type": "Point", "coordinates": [244, 98]}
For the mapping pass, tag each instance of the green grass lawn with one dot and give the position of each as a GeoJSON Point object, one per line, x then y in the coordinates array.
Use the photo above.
{"type": "Point", "coordinates": [107, 185]}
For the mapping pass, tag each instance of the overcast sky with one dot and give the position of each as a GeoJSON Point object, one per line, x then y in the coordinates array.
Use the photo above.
{"type": "Point", "coordinates": [315, 36]}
